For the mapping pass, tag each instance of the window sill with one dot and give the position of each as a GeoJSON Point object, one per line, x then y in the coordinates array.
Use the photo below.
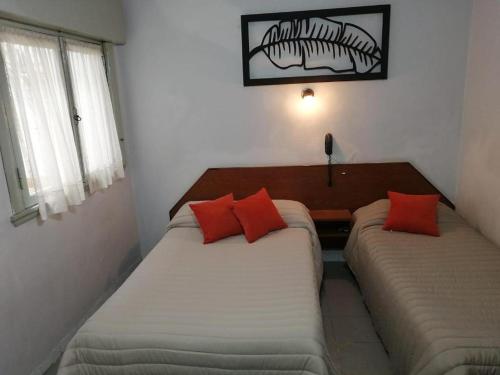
{"type": "Point", "coordinates": [32, 212]}
{"type": "Point", "coordinates": [24, 215]}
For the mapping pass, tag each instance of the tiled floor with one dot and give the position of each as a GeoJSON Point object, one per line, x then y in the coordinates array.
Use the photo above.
{"type": "Point", "coordinates": [354, 346]}
{"type": "Point", "coordinates": [53, 369]}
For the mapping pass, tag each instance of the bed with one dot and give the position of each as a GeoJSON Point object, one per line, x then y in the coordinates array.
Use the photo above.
{"type": "Point", "coordinates": [224, 308]}
{"type": "Point", "coordinates": [435, 301]}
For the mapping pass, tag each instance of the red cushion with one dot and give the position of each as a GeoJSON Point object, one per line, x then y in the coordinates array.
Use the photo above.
{"type": "Point", "coordinates": [258, 215]}
{"type": "Point", "coordinates": [413, 214]}
{"type": "Point", "coordinates": [216, 218]}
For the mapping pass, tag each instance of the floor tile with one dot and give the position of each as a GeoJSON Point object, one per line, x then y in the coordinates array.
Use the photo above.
{"type": "Point", "coordinates": [353, 329]}
{"type": "Point", "coordinates": [337, 270]}
{"type": "Point", "coordinates": [360, 358]}
{"type": "Point", "coordinates": [342, 300]}
{"type": "Point", "coordinates": [352, 341]}
{"type": "Point", "coordinates": [53, 369]}
{"type": "Point", "coordinates": [331, 343]}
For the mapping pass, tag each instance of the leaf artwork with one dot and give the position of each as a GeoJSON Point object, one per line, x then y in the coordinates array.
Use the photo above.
{"type": "Point", "coordinates": [320, 43]}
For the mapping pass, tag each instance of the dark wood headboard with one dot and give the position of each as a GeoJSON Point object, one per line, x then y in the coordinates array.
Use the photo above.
{"type": "Point", "coordinates": [354, 185]}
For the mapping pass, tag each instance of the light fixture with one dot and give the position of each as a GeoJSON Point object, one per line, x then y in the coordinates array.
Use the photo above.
{"type": "Point", "coordinates": [308, 104]}
{"type": "Point", "coordinates": [307, 94]}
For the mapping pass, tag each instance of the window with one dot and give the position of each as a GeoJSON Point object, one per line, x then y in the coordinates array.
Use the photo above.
{"type": "Point", "coordinates": [58, 133]}
{"type": "Point", "coordinates": [102, 159]}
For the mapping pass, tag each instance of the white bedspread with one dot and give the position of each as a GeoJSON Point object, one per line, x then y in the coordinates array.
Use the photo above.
{"type": "Point", "coordinates": [224, 308]}
{"type": "Point", "coordinates": [435, 301]}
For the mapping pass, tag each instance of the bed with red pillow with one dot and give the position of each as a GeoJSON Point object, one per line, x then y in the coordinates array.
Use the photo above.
{"type": "Point", "coordinates": [213, 301]}
{"type": "Point", "coordinates": [433, 294]}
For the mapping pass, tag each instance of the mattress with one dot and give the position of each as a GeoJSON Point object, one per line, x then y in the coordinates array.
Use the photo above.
{"type": "Point", "coordinates": [225, 308]}
{"type": "Point", "coordinates": [435, 301]}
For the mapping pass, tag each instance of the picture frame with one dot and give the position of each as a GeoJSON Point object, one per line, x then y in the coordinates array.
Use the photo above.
{"type": "Point", "coordinates": [340, 44]}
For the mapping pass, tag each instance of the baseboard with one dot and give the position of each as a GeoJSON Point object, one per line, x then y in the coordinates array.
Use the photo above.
{"type": "Point", "coordinates": [56, 352]}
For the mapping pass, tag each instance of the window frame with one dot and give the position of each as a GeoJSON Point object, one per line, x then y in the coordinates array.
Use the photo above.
{"type": "Point", "coordinates": [24, 206]}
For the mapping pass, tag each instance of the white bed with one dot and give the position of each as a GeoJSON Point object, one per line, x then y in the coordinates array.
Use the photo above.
{"type": "Point", "coordinates": [224, 308]}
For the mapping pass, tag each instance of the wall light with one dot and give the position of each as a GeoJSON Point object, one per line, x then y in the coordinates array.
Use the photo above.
{"type": "Point", "coordinates": [308, 94]}
{"type": "Point", "coordinates": [308, 101]}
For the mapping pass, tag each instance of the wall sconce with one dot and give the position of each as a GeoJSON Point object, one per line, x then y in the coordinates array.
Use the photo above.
{"type": "Point", "coordinates": [308, 94]}
{"type": "Point", "coordinates": [308, 102]}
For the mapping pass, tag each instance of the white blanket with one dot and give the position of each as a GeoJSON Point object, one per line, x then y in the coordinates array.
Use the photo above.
{"type": "Point", "coordinates": [224, 308]}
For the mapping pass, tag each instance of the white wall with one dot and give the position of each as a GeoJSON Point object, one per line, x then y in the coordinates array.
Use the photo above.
{"type": "Point", "coordinates": [186, 108]}
{"type": "Point", "coordinates": [95, 18]}
{"type": "Point", "coordinates": [479, 183]}
{"type": "Point", "coordinates": [53, 274]}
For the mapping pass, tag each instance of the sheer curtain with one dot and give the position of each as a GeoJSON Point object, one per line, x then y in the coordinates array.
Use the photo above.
{"type": "Point", "coordinates": [101, 152]}
{"type": "Point", "coordinates": [42, 120]}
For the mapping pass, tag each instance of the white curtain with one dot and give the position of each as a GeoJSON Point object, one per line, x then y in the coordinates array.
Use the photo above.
{"type": "Point", "coordinates": [42, 120]}
{"type": "Point", "coordinates": [102, 156]}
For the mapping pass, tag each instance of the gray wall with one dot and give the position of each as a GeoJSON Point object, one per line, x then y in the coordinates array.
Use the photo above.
{"type": "Point", "coordinates": [97, 18]}
{"type": "Point", "coordinates": [53, 274]}
{"type": "Point", "coordinates": [186, 108]}
{"type": "Point", "coordinates": [479, 183]}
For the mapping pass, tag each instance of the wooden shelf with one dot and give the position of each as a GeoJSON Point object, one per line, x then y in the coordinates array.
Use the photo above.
{"type": "Point", "coordinates": [333, 227]}
{"type": "Point", "coordinates": [331, 215]}
{"type": "Point", "coordinates": [333, 235]}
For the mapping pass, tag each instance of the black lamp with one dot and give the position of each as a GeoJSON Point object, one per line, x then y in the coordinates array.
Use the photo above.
{"type": "Point", "coordinates": [329, 151]}
{"type": "Point", "coordinates": [307, 93]}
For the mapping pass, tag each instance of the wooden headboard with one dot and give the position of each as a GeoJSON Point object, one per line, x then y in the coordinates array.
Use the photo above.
{"type": "Point", "coordinates": [354, 185]}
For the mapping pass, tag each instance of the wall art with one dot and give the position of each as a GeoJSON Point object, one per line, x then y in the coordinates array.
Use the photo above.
{"type": "Point", "coordinates": [316, 46]}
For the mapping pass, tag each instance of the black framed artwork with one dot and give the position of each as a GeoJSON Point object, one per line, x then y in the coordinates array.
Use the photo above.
{"type": "Point", "coordinates": [342, 44]}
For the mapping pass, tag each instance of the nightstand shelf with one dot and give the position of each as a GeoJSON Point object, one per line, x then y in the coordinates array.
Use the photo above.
{"type": "Point", "coordinates": [333, 227]}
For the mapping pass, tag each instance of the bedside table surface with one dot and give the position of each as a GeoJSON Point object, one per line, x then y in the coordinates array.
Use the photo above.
{"type": "Point", "coordinates": [330, 215]}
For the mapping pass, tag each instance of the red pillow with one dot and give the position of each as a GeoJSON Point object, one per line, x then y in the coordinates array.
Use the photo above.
{"type": "Point", "coordinates": [216, 218]}
{"type": "Point", "coordinates": [258, 216]}
{"type": "Point", "coordinates": [413, 214]}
